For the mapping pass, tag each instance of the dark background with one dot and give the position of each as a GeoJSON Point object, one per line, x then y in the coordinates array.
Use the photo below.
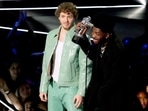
{"type": "Point", "coordinates": [37, 15]}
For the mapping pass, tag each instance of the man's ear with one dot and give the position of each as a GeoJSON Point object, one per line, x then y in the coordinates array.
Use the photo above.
{"type": "Point", "coordinates": [107, 35]}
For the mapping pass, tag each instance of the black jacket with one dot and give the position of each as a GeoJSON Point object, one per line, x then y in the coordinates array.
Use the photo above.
{"type": "Point", "coordinates": [108, 89]}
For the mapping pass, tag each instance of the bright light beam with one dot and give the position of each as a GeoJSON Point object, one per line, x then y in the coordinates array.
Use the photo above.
{"type": "Point", "coordinates": [23, 30]}
{"type": "Point", "coordinates": [136, 12]}
{"type": "Point", "coordinates": [132, 13]}
{"type": "Point", "coordinates": [6, 106]}
{"type": "Point", "coordinates": [143, 2]}
{"type": "Point", "coordinates": [79, 7]}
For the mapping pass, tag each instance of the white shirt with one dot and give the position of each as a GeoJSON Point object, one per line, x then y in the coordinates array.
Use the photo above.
{"type": "Point", "coordinates": [58, 54]}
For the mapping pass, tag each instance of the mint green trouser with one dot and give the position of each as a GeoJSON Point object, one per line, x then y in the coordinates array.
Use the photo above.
{"type": "Point", "coordinates": [60, 98]}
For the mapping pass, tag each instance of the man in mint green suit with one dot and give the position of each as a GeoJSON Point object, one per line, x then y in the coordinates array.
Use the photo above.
{"type": "Point", "coordinates": [66, 70]}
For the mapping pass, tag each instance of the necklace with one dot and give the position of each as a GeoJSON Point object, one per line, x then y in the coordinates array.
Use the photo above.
{"type": "Point", "coordinates": [102, 50]}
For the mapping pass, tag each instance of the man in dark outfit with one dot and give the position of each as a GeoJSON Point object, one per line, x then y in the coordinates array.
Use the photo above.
{"type": "Point", "coordinates": [108, 89]}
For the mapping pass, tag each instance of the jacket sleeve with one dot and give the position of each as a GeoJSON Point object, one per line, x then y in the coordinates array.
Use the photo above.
{"type": "Point", "coordinates": [45, 76]}
{"type": "Point", "coordinates": [86, 45]}
{"type": "Point", "coordinates": [85, 72]}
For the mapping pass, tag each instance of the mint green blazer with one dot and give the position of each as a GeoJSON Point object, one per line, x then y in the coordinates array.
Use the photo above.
{"type": "Point", "coordinates": [73, 63]}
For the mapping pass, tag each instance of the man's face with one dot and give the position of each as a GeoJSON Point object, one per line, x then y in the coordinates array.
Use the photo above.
{"type": "Point", "coordinates": [66, 19]}
{"type": "Point", "coordinates": [98, 35]}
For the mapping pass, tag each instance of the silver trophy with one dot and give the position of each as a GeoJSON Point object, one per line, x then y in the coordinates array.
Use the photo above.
{"type": "Point", "coordinates": [85, 21]}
